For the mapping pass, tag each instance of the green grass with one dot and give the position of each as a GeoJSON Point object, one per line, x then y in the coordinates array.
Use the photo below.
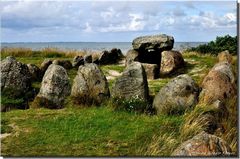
{"type": "Point", "coordinates": [82, 132]}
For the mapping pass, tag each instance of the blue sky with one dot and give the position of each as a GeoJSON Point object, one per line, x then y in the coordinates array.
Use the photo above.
{"type": "Point", "coordinates": [115, 21]}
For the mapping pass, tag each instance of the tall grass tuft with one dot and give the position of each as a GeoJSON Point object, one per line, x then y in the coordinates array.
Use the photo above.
{"type": "Point", "coordinates": [195, 122]}
{"type": "Point", "coordinates": [160, 145]}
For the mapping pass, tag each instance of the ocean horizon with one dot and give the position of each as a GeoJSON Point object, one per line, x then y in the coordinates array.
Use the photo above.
{"type": "Point", "coordinates": [89, 46]}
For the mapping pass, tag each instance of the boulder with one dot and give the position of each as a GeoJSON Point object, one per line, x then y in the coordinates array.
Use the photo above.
{"type": "Point", "coordinates": [90, 86]}
{"type": "Point", "coordinates": [224, 56]}
{"type": "Point", "coordinates": [154, 42]}
{"type": "Point", "coordinates": [203, 144]}
{"type": "Point", "coordinates": [111, 57]}
{"type": "Point", "coordinates": [77, 61]}
{"type": "Point", "coordinates": [64, 63]}
{"type": "Point", "coordinates": [15, 78]}
{"type": "Point", "coordinates": [35, 72]}
{"type": "Point", "coordinates": [152, 70]}
{"type": "Point", "coordinates": [45, 65]}
{"type": "Point", "coordinates": [219, 84]}
{"type": "Point", "coordinates": [55, 87]}
{"type": "Point", "coordinates": [87, 59]}
{"type": "Point", "coordinates": [132, 83]}
{"type": "Point", "coordinates": [177, 95]}
{"type": "Point", "coordinates": [225, 68]}
{"type": "Point", "coordinates": [132, 55]}
{"type": "Point", "coordinates": [170, 62]}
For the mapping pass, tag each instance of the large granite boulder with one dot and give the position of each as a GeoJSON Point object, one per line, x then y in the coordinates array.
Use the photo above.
{"type": "Point", "coordinates": [203, 144]}
{"type": "Point", "coordinates": [110, 57]}
{"type": "Point", "coordinates": [35, 72]}
{"type": "Point", "coordinates": [132, 83]}
{"type": "Point", "coordinates": [87, 58]}
{"type": "Point", "coordinates": [64, 63]}
{"type": "Point", "coordinates": [90, 86]}
{"type": "Point", "coordinates": [15, 78]}
{"type": "Point", "coordinates": [45, 64]}
{"type": "Point", "coordinates": [77, 61]}
{"type": "Point", "coordinates": [224, 56]}
{"type": "Point", "coordinates": [217, 85]}
{"type": "Point", "coordinates": [55, 87]}
{"type": "Point", "coordinates": [154, 42]}
{"type": "Point", "coordinates": [170, 62]}
{"type": "Point", "coordinates": [131, 56]}
{"type": "Point", "coordinates": [152, 70]}
{"type": "Point", "coordinates": [225, 68]}
{"type": "Point", "coordinates": [176, 96]}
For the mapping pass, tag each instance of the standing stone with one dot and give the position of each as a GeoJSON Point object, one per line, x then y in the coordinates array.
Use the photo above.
{"type": "Point", "coordinates": [90, 86]}
{"type": "Point", "coordinates": [132, 84]}
{"type": "Point", "coordinates": [45, 65]}
{"type": "Point", "coordinates": [64, 63]}
{"type": "Point", "coordinates": [77, 61]}
{"type": "Point", "coordinates": [152, 70]}
{"type": "Point", "coordinates": [219, 84]}
{"type": "Point", "coordinates": [15, 78]}
{"type": "Point", "coordinates": [225, 68]}
{"type": "Point", "coordinates": [203, 144]}
{"type": "Point", "coordinates": [176, 96]}
{"type": "Point", "coordinates": [225, 56]}
{"type": "Point", "coordinates": [132, 55]}
{"type": "Point", "coordinates": [54, 89]}
{"type": "Point", "coordinates": [87, 59]}
{"type": "Point", "coordinates": [154, 42]}
{"type": "Point", "coordinates": [170, 62]}
{"type": "Point", "coordinates": [35, 72]}
{"type": "Point", "coordinates": [111, 57]}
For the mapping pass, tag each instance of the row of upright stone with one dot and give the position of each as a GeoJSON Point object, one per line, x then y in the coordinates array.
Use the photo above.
{"type": "Point", "coordinates": [156, 55]}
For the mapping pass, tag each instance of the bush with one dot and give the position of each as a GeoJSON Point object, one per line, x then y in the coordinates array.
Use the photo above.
{"type": "Point", "coordinates": [220, 44]}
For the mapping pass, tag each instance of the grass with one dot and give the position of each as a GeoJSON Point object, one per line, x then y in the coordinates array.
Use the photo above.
{"type": "Point", "coordinates": [105, 131]}
{"type": "Point", "coordinates": [83, 132]}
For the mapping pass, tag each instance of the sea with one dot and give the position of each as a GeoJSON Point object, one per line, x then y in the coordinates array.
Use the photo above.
{"type": "Point", "coordinates": [89, 46]}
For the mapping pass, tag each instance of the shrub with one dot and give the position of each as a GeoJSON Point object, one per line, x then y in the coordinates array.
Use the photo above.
{"type": "Point", "coordinates": [223, 43]}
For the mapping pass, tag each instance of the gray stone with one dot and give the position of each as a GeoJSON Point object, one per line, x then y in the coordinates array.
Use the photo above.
{"type": "Point", "coordinates": [55, 87]}
{"type": "Point", "coordinates": [87, 59]}
{"type": "Point", "coordinates": [131, 56]}
{"type": "Point", "coordinates": [77, 61]}
{"type": "Point", "coordinates": [170, 62]}
{"type": "Point", "coordinates": [35, 72]}
{"type": "Point", "coordinates": [132, 83]}
{"type": "Point", "coordinates": [154, 42]}
{"type": "Point", "coordinates": [90, 86]}
{"type": "Point", "coordinates": [45, 65]}
{"type": "Point", "coordinates": [64, 63]}
{"type": "Point", "coordinates": [203, 144]}
{"type": "Point", "coordinates": [177, 95]}
{"type": "Point", "coordinates": [152, 70]}
{"type": "Point", "coordinates": [110, 57]}
{"type": "Point", "coordinates": [15, 78]}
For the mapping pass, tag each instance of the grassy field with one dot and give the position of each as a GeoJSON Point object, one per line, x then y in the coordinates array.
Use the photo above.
{"type": "Point", "coordinates": [98, 131]}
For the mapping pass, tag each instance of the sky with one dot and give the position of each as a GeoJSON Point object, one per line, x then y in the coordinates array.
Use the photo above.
{"type": "Point", "coordinates": [115, 21]}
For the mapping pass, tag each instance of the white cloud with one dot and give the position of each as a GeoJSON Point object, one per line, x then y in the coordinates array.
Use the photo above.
{"type": "Point", "coordinates": [88, 28]}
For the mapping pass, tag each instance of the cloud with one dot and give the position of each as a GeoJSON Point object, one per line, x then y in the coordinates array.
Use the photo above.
{"type": "Point", "coordinates": [77, 19]}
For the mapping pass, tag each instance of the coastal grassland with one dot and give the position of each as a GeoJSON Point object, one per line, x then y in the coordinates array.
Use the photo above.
{"type": "Point", "coordinates": [94, 131]}
{"type": "Point", "coordinates": [105, 131]}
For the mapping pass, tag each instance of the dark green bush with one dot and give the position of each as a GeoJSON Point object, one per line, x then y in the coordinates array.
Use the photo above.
{"type": "Point", "coordinates": [223, 43]}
